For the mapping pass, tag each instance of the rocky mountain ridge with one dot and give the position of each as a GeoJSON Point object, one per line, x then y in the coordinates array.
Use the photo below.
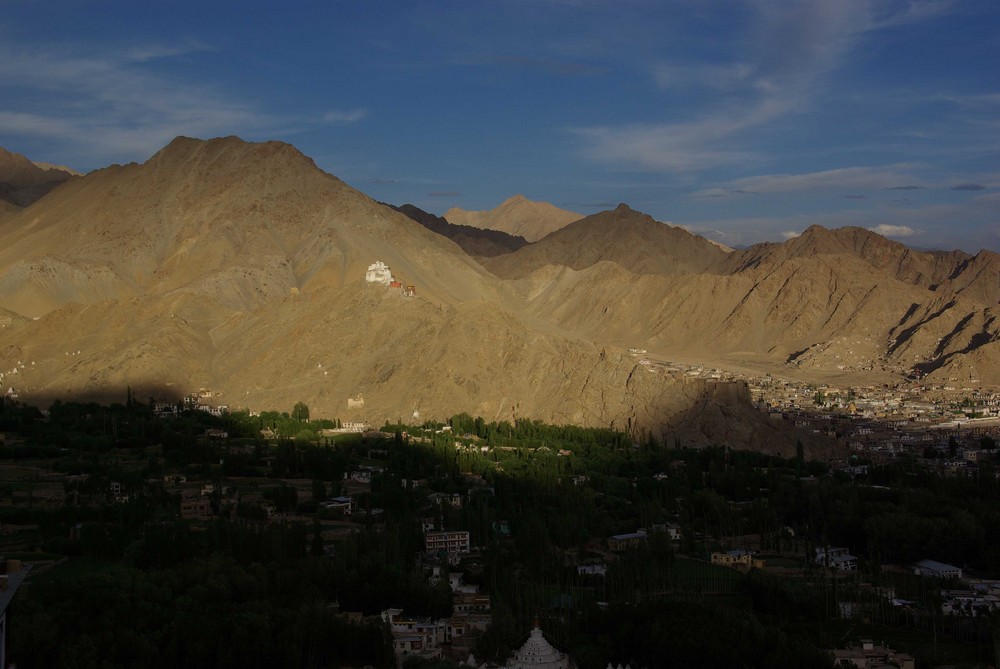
{"type": "Point", "coordinates": [23, 181]}
{"type": "Point", "coordinates": [477, 242]}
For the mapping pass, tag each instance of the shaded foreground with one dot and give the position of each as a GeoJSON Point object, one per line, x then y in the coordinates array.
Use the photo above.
{"type": "Point", "coordinates": [269, 576]}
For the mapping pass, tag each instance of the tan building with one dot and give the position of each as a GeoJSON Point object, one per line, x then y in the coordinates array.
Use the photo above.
{"type": "Point", "coordinates": [737, 558]}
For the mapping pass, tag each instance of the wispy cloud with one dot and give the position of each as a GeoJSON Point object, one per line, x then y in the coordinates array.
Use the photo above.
{"type": "Point", "coordinates": [551, 66]}
{"type": "Point", "coordinates": [344, 117]}
{"type": "Point", "coordinates": [925, 225]}
{"type": "Point", "coordinates": [110, 105]}
{"type": "Point", "coordinates": [671, 148]}
{"type": "Point", "coordinates": [117, 104]}
{"type": "Point", "coordinates": [786, 52]}
{"type": "Point", "coordinates": [689, 75]}
{"type": "Point", "coordinates": [146, 52]}
{"type": "Point", "coordinates": [891, 15]}
{"type": "Point", "coordinates": [443, 193]}
{"type": "Point", "coordinates": [968, 187]}
{"type": "Point", "coordinates": [853, 178]}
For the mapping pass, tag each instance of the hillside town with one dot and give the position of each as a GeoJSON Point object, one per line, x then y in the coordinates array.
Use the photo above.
{"type": "Point", "coordinates": [955, 426]}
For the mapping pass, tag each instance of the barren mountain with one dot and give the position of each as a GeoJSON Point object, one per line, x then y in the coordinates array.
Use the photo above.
{"type": "Point", "coordinates": [628, 238]}
{"type": "Point", "coordinates": [820, 301]}
{"type": "Point", "coordinates": [23, 182]}
{"type": "Point", "coordinates": [241, 223]}
{"type": "Point", "coordinates": [477, 242]}
{"type": "Point", "coordinates": [241, 268]}
{"type": "Point", "coordinates": [518, 216]}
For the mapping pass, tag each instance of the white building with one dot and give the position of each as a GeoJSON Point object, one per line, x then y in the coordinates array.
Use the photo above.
{"type": "Point", "coordinates": [935, 569]}
{"type": "Point", "coordinates": [342, 504]}
{"type": "Point", "coordinates": [378, 272]}
{"type": "Point", "coordinates": [837, 559]}
{"type": "Point", "coordinates": [537, 653]}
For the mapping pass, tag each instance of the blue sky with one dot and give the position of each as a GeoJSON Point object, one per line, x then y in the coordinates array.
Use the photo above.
{"type": "Point", "coordinates": [742, 121]}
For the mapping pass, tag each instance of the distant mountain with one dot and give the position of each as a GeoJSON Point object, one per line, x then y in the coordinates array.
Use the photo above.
{"type": "Point", "coordinates": [517, 216]}
{"type": "Point", "coordinates": [926, 269]}
{"type": "Point", "coordinates": [23, 182]}
{"type": "Point", "coordinates": [478, 242]}
{"type": "Point", "coordinates": [631, 239]}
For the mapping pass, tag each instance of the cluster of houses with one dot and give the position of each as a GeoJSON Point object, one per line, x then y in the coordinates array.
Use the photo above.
{"type": "Point", "coordinates": [426, 638]}
{"type": "Point", "coordinates": [981, 598]}
{"type": "Point", "coordinates": [190, 402]}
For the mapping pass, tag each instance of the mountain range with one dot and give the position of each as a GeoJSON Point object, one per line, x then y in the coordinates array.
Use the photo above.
{"type": "Point", "coordinates": [239, 268]}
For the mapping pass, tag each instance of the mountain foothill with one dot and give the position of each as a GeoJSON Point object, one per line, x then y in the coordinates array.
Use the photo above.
{"type": "Point", "coordinates": [240, 268]}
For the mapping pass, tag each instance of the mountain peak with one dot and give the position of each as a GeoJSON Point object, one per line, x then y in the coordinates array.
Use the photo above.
{"type": "Point", "coordinates": [631, 239]}
{"type": "Point", "coordinates": [183, 148]}
{"type": "Point", "coordinates": [517, 216]}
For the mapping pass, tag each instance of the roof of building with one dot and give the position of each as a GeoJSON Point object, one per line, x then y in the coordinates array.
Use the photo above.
{"type": "Point", "coordinates": [641, 534]}
{"type": "Point", "coordinates": [934, 565]}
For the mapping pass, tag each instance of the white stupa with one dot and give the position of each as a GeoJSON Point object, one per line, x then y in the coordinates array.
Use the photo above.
{"type": "Point", "coordinates": [537, 653]}
{"type": "Point", "coordinates": [378, 272]}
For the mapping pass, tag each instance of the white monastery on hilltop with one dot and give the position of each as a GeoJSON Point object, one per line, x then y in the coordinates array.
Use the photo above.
{"type": "Point", "coordinates": [537, 653]}
{"type": "Point", "coordinates": [378, 272]}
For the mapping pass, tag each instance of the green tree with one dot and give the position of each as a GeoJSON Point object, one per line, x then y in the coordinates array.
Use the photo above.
{"type": "Point", "coordinates": [300, 412]}
{"type": "Point", "coordinates": [317, 539]}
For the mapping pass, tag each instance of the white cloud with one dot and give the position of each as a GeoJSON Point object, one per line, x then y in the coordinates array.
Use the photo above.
{"type": "Point", "coordinates": [343, 117]}
{"type": "Point", "coordinates": [887, 230]}
{"type": "Point", "coordinates": [789, 234]}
